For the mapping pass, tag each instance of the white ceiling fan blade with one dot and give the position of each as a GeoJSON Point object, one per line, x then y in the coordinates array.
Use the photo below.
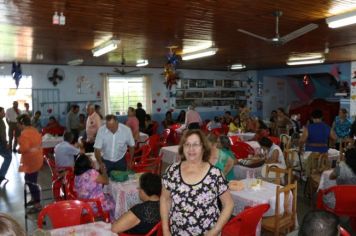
{"type": "Point", "coordinates": [299, 32]}
{"type": "Point", "coordinates": [253, 35]}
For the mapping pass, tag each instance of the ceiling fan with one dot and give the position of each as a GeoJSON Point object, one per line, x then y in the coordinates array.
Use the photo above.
{"type": "Point", "coordinates": [122, 71]}
{"type": "Point", "coordinates": [278, 40]}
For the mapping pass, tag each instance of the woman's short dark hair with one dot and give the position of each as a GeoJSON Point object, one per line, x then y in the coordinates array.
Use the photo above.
{"type": "Point", "coordinates": [225, 142]}
{"type": "Point", "coordinates": [350, 159]}
{"type": "Point", "coordinates": [68, 137]}
{"type": "Point", "coordinates": [151, 184]}
{"type": "Point", "coordinates": [148, 117]}
{"type": "Point", "coordinates": [52, 118]}
{"type": "Point", "coordinates": [9, 226]}
{"type": "Point", "coordinates": [265, 142]}
{"type": "Point", "coordinates": [203, 140]}
{"type": "Point", "coordinates": [24, 120]}
{"type": "Point", "coordinates": [82, 164]}
{"type": "Point", "coordinates": [317, 114]}
{"type": "Point", "coordinates": [262, 124]}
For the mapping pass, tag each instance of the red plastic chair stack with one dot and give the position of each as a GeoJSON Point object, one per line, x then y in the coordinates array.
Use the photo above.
{"type": "Point", "coordinates": [66, 213]}
{"type": "Point", "coordinates": [157, 230]}
{"type": "Point", "coordinates": [152, 165]}
{"type": "Point", "coordinates": [174, 136]}
{"type": "Point", "coordinates": [242, 150]}
{"type": "Point", "coordinates": [345, 201]}
{"type": "Point", "coordinates": [141, 154]}
{"type": "Point", "coordinates": [245, 223]}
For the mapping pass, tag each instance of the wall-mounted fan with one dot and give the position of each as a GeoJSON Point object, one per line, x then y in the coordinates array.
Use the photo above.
{"type": "Point", "coordinates": [55, 75]}
{"type": "Point", "coordinates": [277, 40]}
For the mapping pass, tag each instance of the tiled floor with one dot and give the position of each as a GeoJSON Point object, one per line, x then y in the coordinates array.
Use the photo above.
{"type": "Point", "coordinates": [12, 196]}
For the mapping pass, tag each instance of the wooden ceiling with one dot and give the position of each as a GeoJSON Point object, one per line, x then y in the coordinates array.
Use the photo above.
{"type": "Point", "coordinates": [147, 27]}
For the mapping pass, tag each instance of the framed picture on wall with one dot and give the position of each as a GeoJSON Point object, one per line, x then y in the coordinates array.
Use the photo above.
{"type": "Point", "coordinates": [218, 83]}
{"type": "Point", "coordinates": [236, 83]}
{"type": "Point", "coordinates": [193, 94]}
{"type": "Point", "coordinates": [210, 83]}
{"type": "Point", "coordinates": [227, 83]}
{"type": "Point", "coordinates": [244, 84]}
{"type": "Point", "coordinates": [192, 83]}
{"type": "Point", "coordinates": [180, 94]}
{"type": "Point", "coordinates": [184, 84]}
{"type": "Point", "coordinates": [201, 83]}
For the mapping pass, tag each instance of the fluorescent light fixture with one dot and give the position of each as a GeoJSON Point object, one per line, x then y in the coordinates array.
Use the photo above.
{"type": "Point", "coordinates": [105, 48]}
{"type": "Point", "coordinates": [341, 20]}
{"type": "Point", "coordinates": [75, 62]}
{"type": "Point", "coordinates": [198, 54]}
{"type": "Point", "coordinates": [306, 62]}
{"type": "Point", "coordinates": [141, 63]}
{"type": "Point", "coordinates": [305, 56]}
{"type": "Point", "coordinates": [237, 66]}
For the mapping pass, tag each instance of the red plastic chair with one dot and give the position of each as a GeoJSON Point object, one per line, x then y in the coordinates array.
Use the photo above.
{"type": "Point", "coordinates": [157, 230]}
{"type": "Point", "coordinates": [225, 129]}
{"type": "Point", "coordinates": [234, 139]}
{"type": "Point", "coordinates": [154, 127]}
{"type": "Point", "coordinates": [141, 154]}
{"type": "Point", "coordinates": [66, 213]}
{"type": "Point", "coordinates": [343, 232]}
{"type": "Point", "coordinates": [154, 142]}
{"type": "Point", "coordinates": [275, 140]}
{"type": "Point", "coordinates": [345, 201]}
{"type": "Point", "coordinates": [152, 165]}
{"type": "Point", "coordinates": [245, 223]}
{"type": "Point", "coordinates": [242, 150]}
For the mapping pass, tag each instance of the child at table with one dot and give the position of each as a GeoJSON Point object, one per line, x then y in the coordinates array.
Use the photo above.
{"type": "Point", "coordinates": [88, 183]}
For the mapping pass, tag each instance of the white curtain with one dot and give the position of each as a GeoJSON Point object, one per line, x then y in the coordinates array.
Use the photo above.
{"type": "Point", "coordinates": [105, 100]}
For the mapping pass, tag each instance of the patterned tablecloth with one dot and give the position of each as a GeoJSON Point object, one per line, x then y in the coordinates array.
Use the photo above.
{"type": "Point", "coordinates": [249, 196]}
{"type": "Point", "coordinates": [325, 181]}
{"type": "Point", "coordinates": [125, 195]}
{"type": "Point", "coordinates": [92, 229]}
{"type": "Point", "coordinates": [243, 136]}
{"type": "Point", "coordinates": [170, 154]}
{"type": "Point", "coordinates": [49, 141]}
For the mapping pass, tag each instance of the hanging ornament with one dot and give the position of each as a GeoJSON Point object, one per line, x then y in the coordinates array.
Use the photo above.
{"type": "Point", "coordinates": [170, 73]}
{"type": "Point", "coordinates": [16, 72]}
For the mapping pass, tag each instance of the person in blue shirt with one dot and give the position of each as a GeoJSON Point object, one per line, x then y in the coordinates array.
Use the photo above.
{"type": "Point", "coordinates": [341, 126]}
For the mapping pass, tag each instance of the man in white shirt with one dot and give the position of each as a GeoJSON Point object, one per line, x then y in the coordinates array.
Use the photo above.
{"type": "Point", "coordinates": [111, 144]}
{"type": "Point", "coordinates": [65, 152]}
{"type": "Point", "coordinates": [11, 119]}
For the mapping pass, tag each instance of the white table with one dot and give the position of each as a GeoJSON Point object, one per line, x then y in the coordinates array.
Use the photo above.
{"type": "Point", "coordinates": [252, 197]}
{"type": "Point", "coordinates": [49, 141]}
{"type": "Point", "coordinates": [125, 195]}
{"type": "Point", "coordinates": [96, 228]}
{"type": "Point", "coordinates": [170, 154]}
{"type": "Point", "coordinates": [143, 137]}
{"type": "Point", "coordinates": [243, 136]}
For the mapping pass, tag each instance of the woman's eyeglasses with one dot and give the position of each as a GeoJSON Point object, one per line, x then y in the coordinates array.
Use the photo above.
{"type": "Point", "coordinates": [192, 145]}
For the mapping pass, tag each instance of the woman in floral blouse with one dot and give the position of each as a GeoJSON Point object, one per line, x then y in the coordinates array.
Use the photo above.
{"type": "Point", "coordinates": [191, 189]}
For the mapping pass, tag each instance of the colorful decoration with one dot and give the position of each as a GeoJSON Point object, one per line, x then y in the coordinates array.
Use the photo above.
{"type": "Point", "coordinates": [154, 101]}
{"type": "Point", "coordinates": [49, 110]}
{"type": "Point", "coordinates": [16, 72]}
{"type": "Point", "coordinates": [158, 109]}
{"type": "Point", "coordinates": [165, 100]}
{"type": "Point", "coordinates": [170, 73]}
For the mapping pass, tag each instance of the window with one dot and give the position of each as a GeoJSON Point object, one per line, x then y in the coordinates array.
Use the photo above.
{"type": "Point", "coordinates": [125, 92]}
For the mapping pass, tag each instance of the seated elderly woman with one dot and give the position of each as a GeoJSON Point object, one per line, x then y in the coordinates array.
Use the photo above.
{"type": "Point", "coordinates": [88, 183]}
{"type": "Point", "coordinates": [141, 218]}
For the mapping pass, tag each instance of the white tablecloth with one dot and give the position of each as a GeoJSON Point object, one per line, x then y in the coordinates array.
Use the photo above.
{"type": "Point", "coordinates": [240, 171]}
{"type": "Point", "coordinates": [170, 154]}
{"type": "Point", "coordinates": [49, 141]}
{"type": "Point", "coordinates": [333, 154]}
{"type": "Point", "coordinates": [96, 228]}
{"type": "Point", "coordinates": [325, 181]}
{"type": "Point", "coordinates": [252, 197]}
{"type": "Point", "coordinates": [243, 136]}
{"type": "Point", "coordinates": [125, 195]}
{"type": "Point", "coordinates": [143, 137]}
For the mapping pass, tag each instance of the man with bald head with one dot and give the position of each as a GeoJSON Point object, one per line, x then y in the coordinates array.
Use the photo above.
{"type": "Point", "coordinates": [111, 144]}
{"type": "Point", "coordinates": [91, 128]}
